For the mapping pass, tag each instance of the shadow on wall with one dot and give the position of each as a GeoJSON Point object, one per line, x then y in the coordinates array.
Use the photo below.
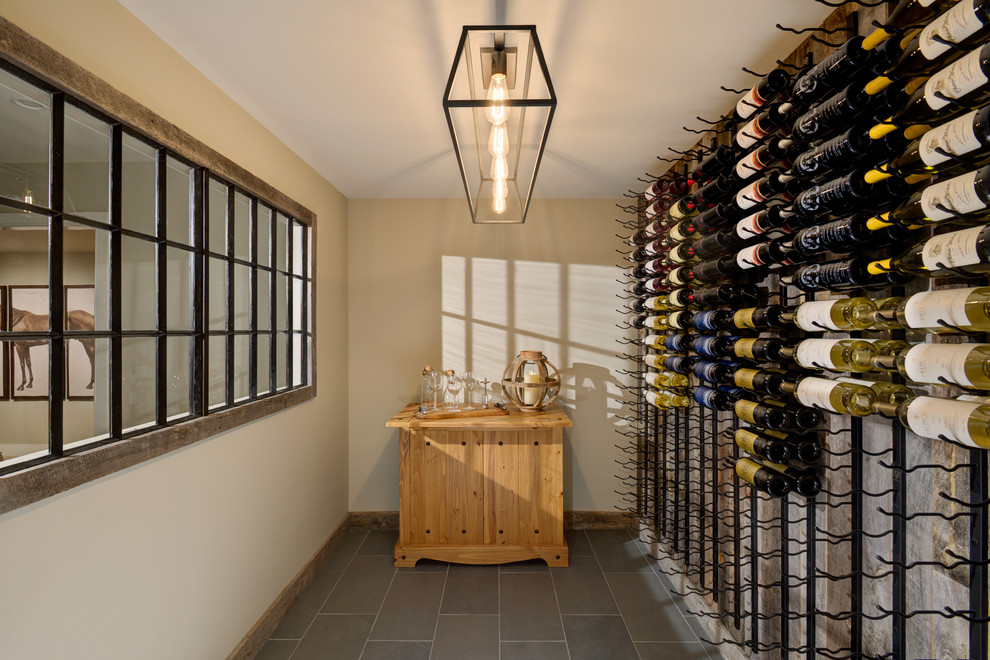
{"type": "Point", "coordinates": [494, 308]}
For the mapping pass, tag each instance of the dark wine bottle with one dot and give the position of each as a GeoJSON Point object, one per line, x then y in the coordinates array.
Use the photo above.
{"type": "Point", "coordinates": [803, 482]}
{"type": "Point", "coordinates": [713, 372]}
{"type": "Point", "coordinates": [765, 254]}
{"type": "Point", "coordinates": [650, 268]}
{"type": "Point", "coordinates": [718, 294]}
{"type": "Point", "coordinates": [759, 350]}
{"type": "Point", "coordinates": [775, 183]}
{"type": "Point", "coordinates": [805, 447]}
{"type": "Point", "coordinates": [721, 242]}
{"type": "Point", "coordinates": [712, 398]}
{"type": "Point", "coordinates": [769, 87]}
{"type": "Point", "coordinates": [715, 270]}
{"type": "Point", "coordinates": [759, 380]}
{"type": "Point", "coordinates": [714, 163]}
{"type": "Point", "coordinates": [839, 236]}
{"type": "Point", "coordinates": [843, 193]}
{"type": "Point", "coordinates": [764, 479]}
{"type": "Point", "coordinates": [762, 414]}
{"type": "Point", "coordinates": [833, 154]}
{"type": "Point", "coordinates": [833, 113]}
{"type": "Point", "coordinates": [777, 151]}
{"type": "Point", "coordinates": [841, 275]}
{"type": "Point", "coordinates": [800, 417]}
{"type": "Point", "coordinates": [839, 66]}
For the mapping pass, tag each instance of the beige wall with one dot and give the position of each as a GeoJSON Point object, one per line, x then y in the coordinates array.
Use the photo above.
{"type": "Point", "coordinates": [177, 557]}
{"type": "Point", "coordinates": [427, 286]}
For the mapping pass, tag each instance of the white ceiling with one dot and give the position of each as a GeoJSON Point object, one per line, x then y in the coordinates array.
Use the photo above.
{"type": "Point", "coordinates": [355, 86]}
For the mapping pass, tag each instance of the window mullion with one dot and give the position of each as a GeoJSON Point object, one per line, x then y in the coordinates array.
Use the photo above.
{"type": "Point", "coordinates": [229, 302]}
{"type": "Point", "coordinates": [116, 318]}
{"type": "Point", "coordinates": [161, 290]}
{"type": "Point", "coordinates": [56, 303]}
{"type": "Point", "coordinates": [253, 301]}
{"type": "Point", "coordinates": [200, 297]}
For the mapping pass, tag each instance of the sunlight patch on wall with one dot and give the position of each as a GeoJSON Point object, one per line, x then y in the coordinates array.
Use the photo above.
{"type": "Point", "coordinates": [537, 297]}
{"type": "Point", "coordinates": [454, 292]}
{"type": "Point", "coordinates": [489, 351]}
{"type": "Point", "coordinates": [454, 343]}
{"type": "Point", "coordinates": [489, 290]}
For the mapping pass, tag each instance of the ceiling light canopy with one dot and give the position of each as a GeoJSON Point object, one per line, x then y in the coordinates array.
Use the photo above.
{"type": "Point", "coordinates": [499, 103]}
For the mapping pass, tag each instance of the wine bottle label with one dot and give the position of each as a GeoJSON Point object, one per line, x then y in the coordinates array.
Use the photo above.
{"type": "Point", "coordinates": [780, 435]}
{"type": "Point", "coordinates": [930, 417]}
{"type": "Point", "coordinates": [705, 345]}
{"type": "Point", "coordinates": [749, 226]}
{"type": "Point", "coordinates": [750, 164]}
{"type": "Point", "coordinates": [655, 303]}
{"type": "Point", "coordinates": [745, 410]}
{"type": "Point", "coordinates": [925, 363]}
{"type": "Point", "coordinates": [812, 352]}
{"type": "Point", "coordinates": [707, 370]}
{"type": "Point", "coordinates": [678, 320]}
{"type": "Point", "coordinates": [749, 257]}
{"type": "Point", "coordinates": [744, 377]}
{"type": "Point", "coordinates": [656, 341]}
{"type": "Point", "coordinates": [705, 396]}
{"type": "Point", "coordinates": [750, 196]}
{"type": "Point", "coordinates": [750, 134]}
{"type": "Point", "coordinates": [955, 81]}
{"type": "Point", "coordinates": [654, 322]}
{"type": "Point", "coordinates": [925, 310]}
{"type": "Point", "coordinates": [653, 379]}
{"type": "Point", "coordinates": [653, 398]}
{"type": "Point", "coordinates": [953, 26]}
{"type": "Point", "coordinates": [749, 103]}
{"type": "Point", "coordinates": [676, 234]}
{"type": "Point", "coordinates": [957, 248]}
{"type": "Point", "coordinates": [674, 277]}
{"type": "Point", "coordinates": [744, 348]}
{"type": "Point", "coordinates": [956, 138]}
{"type": "Point", "coordinates": [743, 318]}
{"type": "Point", "coordinates": [747, 469]}
{"type": "Point", "coordinates": [654, 360]}
{"type": "Point", "coordinates": [815, 392]}
{"type": "Point", "coordinates": [747, 440]}
{"type": "Point", "coordinates": [953, 197]}
{"type": "Point", "coordinates": [818, 311]}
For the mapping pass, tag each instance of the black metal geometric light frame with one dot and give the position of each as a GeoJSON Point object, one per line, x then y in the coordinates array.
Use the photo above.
{"type": "Point", "coordinates": [499, 93]}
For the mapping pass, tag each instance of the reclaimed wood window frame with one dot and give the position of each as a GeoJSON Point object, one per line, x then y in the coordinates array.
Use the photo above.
{"type": "Point", "coordinates": [278, 226]}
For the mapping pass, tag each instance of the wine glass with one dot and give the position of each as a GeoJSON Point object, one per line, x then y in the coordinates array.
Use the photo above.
{"type": "Point", "coordinates": [470, 385]}
{"type": "Point", "coordinates": [435, 382]}
{"type": "Point", "coordinates": [454, 385]}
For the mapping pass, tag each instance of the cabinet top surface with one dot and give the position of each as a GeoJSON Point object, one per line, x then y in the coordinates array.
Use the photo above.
{"type": "Point", "coordinates": [550, 417]}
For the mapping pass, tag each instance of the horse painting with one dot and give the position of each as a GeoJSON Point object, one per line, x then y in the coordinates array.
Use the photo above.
{"type": "Point", "coordinates": [23, 321]}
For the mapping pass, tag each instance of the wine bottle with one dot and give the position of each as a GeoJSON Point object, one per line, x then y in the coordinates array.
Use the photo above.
{"type": "Point", "coordinates": [679, 298]}
{"type": "Point", "coordinates": [774, 216]}
{"type": "Point", "coordinates": [840, 275]}
{"type": "Point", "coordinates": [759, 350]}
{"type": "Point", "coordinates": [906, 13]}
{"type": "Point", "coordinates": [714, 163]}
{"type": "Point", "coordinates": [721, 242]}
{"type": "Point", "coordinates": [733, 393]}
{"type": "Point", "coordinates": [836, 111]}
{"type": "Point", "coordinates": [764, 479]}
{"type": "Point", "coordinates": [666, 399]}
{"type": "Point", "coordinates": [666, 379]}
{"type": "Point", "coordinates": [759, 380]}
{"type": "Point", "coordinates": [805, 447]}
{"type": "Point", "coordinates": [844, 192]}
{"type": "Point", "coordinates": [715, 270]}
{"type": "Point", "coordinates": [650, 268]}
{"type": "Point", "coordinates": [679, 363]}
{"type": "Point", "coordinates": [885, 318]}
{"type": "Point", "coordinates": [885, 392]}
{"type": "Point", "coordinates": [769, 87]}
{"type": "Point", "coordinates": [762, 414]}
{"type": "Point", "coordinates": [828, 315]}
{"type": "Point", "coordinates": [803, 418]}
{"type": "Point", "coordinates": [832, 395]}
{"type": "Point", "coordinates": [652, 286]}
{"type": "Point", "coordinates": [717, 294]}
{"type": "Point", "coordinates": [714, 346]}
{"type": "Point", "coordinates": [775, 183]}
{"type": "Point", "coordinates": [764, 124]}
{"type": "Point", "coordinates": [934, 311]}
{"type": "Point", "coordinates": [681, 232]}
{"type": "Point", "coordinates": [679, 276]}
{"type": "Point", "coordinates": [962, 26]}
{"type": "Point", "coordinates": [803, 482]}
{"type": "Point", "coordinates": [965, 365]}
{"type": "Point", "coordinates": [966, 248]}
{"type": "Point", "coordinates": [950, 92]}
{"type": "Point", "coordinates": [711, 398]}
{"type": "Point", "coordinates": [967, 422]}
{"type": "Point", "coordinates": [953, 144]}
{"type": "Point", "coordinates": [973, 397]}
{"type": "Point", "coordinates": [643, 321]}
{"type": "Point", "coordinates": [682, 254]}
{"type": "Point", "coordinates": [682, 208]}
{"type": "Point", "coordinates": [768, 447]}
{"type": "Point", "coordinates": [680, 320]}
{"type": "Point", "coordinates": [717, 373]}
{"type": "Point", "coordinates": [839, 236]}
{"type": "Point", "coordinates": [771, 316]}
{"type": "Point", "coordinates": [840, 65]}
{"type": "Point", "coordinates": [679, 343]}
{"type": "Point", "coordinates": [833, 354]}
{"type": "Point", "coordinates": [765, 254]}
{"type": "Point", "coordinates": [777, 150]}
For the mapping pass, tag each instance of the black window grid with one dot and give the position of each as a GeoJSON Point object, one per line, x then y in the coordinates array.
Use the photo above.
{"type": "Point", "coordinates": [198, 248]}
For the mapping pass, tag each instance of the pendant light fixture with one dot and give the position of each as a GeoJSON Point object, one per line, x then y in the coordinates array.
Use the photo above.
{"type": "Point", "coordinates": [499, 103]}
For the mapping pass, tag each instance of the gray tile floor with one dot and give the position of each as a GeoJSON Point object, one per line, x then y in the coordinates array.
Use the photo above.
{"type": "Point", "coordinates": [608, 604]}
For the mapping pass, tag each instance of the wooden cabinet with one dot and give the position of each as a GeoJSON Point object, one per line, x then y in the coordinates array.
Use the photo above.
{"type": "Point", "coordinates": [483, 490]}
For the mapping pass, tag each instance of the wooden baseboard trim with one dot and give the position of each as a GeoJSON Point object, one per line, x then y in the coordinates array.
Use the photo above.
{"type": "Point", "coordinates": [256, 638]}
{"type": "Point", "coordinates": [572, 519]}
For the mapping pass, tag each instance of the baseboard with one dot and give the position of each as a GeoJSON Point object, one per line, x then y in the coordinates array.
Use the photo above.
{"type": "Point", "coordinates": [256, 638]}
{"type": "Point", "coordinates": [572, 519]}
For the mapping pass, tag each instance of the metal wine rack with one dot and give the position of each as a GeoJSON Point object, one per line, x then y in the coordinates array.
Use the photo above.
{"type": "Point", "coordinates": [889, 561]}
